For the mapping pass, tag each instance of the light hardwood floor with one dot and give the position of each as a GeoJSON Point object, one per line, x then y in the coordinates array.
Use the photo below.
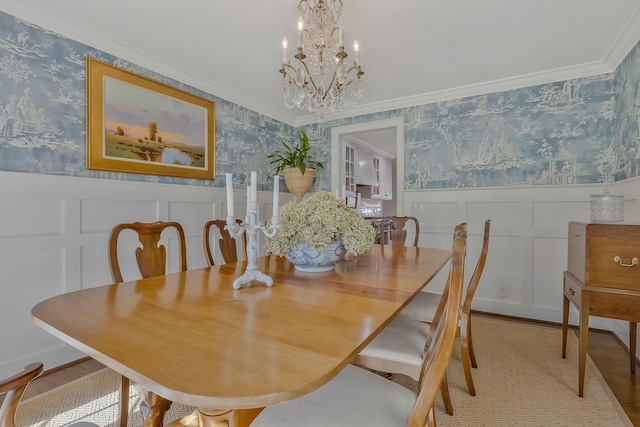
{"type": "Point", "coordinates": [612, 360]}
{"type": "Point", "coordinates": [609, 355]}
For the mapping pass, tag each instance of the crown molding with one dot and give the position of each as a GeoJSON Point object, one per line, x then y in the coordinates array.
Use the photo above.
{"type": "Point", "coordinates": [628, 39]}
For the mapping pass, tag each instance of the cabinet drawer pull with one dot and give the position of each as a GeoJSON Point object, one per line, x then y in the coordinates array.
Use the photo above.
{"type": "Point", "coordinates": [572, 292]}
{"type": "Point", "coordinates": [617, 259]}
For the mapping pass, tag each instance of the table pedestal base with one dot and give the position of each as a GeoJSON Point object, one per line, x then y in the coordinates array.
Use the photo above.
{"type": "Point", "coordinates": [153, 407]}
{"type": "Point", "coordinates": [217, 418]}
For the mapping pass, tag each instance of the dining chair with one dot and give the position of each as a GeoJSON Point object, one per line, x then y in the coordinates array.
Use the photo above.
{"type": "Point", "coordinates": [227, 244]}
{"type": "Point", "coordinates": [424, 305]}
{"type": "Point", "coordinates": [381, 227]}
{"type": "Point", "coordinates": [151, 258]}
{"type": "Point", "coordinates": [399, 229]}
{"type": "Point", "coordinates": [14, 387]}
{"type": "Point", "coordinates": [358, 397]}
{"type": "Point", "coordinates": [403, 344]}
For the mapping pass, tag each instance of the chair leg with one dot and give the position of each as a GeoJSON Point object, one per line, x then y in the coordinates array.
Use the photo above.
{"type": "Point", "coordinates": [431, 419]}
{"type": "Point", "coordinates": [633, 331]}
{"type": "Point", "coordinates": [464, 348]}
{"type": "Point", "coordinates": [123, 406]}
{"type": "Point", "coordinates": [446, 397]}
{"type": "Point", "coordinates": [472, 353]}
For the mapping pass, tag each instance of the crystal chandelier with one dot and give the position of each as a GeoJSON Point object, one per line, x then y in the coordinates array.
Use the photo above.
{"type": "Point", "coordinates": [320, 80]}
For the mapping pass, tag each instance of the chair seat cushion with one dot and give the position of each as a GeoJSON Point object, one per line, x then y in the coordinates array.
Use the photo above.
{"type": "Point", "coordinates": [422, 307]}
{"type": "Point", "coordinates": [401, 341]}
{"type": "Point", "coordinates": [355, 397]}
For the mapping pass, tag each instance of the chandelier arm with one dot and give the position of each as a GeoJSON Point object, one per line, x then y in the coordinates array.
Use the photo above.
{"type": "Point", "coordinates": [286, 67]}
{"type": "Point", "coordinates": [315, 88]}
{"type": "Point", "coordinates": [328, 89]}
{"type": "Point", "coordinates": [357, 69]}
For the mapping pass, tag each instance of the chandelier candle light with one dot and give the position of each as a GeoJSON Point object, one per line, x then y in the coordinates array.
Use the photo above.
{"type": "Point", "coordinates": [320, 81]}
{"type": "Point", "coordinates": [251, 227]}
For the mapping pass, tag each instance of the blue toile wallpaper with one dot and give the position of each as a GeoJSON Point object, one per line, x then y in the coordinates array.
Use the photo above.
{"type": "Point", "coordinates": [43, 123]}
{"type": "Point", "coordinates": [585, 130]}
{"type": "Point", "coordinates": [582, 131]}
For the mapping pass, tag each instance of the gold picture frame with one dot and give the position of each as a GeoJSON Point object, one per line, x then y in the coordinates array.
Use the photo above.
{"type": "Point", "coordinates": [138, 125]}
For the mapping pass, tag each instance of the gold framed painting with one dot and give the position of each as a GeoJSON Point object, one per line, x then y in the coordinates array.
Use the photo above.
{"type": "Point", "coordinates": [138, 125]}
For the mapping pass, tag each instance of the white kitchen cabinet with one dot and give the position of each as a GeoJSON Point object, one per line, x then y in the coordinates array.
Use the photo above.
{"type": "Point", "coordinates": [384, 189]}
{"type": "Point", "coordinates": [349, 166]}
{"type": "Point", "coordinates": [365, 174]}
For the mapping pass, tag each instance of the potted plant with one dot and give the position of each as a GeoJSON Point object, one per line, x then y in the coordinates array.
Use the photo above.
{"type": "Point", "coordinates": [296, 164]}
{"type": "Point", "coordinates": [315, 233]}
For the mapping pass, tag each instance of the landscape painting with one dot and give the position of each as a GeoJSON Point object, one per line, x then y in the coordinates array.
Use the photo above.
{"type": "Point", "coordinates": [137, 125]}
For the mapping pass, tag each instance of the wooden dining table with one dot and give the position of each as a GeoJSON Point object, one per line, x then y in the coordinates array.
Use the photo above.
{"type": "Point", "coordinates": [189, 337]}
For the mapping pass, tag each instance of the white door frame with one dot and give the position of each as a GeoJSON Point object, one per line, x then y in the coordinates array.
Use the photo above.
{"type": "Point", "coordinates": [398, 123]}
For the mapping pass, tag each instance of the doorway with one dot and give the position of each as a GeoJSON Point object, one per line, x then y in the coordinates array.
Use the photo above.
{"type": "Point", "coordinates": [364, 131]}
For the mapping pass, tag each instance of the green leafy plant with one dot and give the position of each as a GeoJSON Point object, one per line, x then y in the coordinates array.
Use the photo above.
{"type": "Point", "coordinates": [297, 156]}
{"type": "Point", "coordinates": [318, 221]}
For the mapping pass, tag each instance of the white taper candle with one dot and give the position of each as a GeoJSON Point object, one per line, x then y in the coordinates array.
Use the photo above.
{"type": "Point", "coordinates": [276, 194]}
{"type": "Point", "coordinates": [254, 188]}
{"type": "Point", "coordinates": [229, 194]}
{"type": "Point", "coordinates": [285, 43]}
{"type": "Point", "coordinates": [248, 199]}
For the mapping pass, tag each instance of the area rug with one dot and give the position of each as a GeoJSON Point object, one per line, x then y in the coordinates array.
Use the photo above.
{"type": "Point", "coordinates": [521, 380]}
{"type": "Point", "coordinates": [93, 398]}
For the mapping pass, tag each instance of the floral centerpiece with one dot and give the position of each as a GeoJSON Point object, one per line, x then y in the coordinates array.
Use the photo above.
{"type": "Point", "coordinates": [316, 224]}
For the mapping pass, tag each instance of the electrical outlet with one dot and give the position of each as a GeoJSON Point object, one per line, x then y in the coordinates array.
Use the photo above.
{"type": "Point", "coordinates": [503, 291]}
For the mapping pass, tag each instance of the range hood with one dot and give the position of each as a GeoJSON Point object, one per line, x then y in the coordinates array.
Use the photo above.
{"type": "Point", "coordinates": [365, 174]}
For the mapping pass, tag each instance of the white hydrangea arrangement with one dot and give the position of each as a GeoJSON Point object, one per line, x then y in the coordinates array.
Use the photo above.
{"type": "Point", "coordinates": [319, 220]}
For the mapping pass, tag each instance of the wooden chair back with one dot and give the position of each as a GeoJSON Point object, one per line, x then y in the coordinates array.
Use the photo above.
{"type": "Point", "coordinates": [14, 388]}
{"type": "Point", "coordinates": [477, 273]}
{"type": "Point", "coordinates": [228, 247]}
{"type": "Point", "coordinates": [442, 343]}
{"type": "Point", "coordinates": [399, 229]}
{"type": "Point", "coordinates": [152, 261]}
{"type": "Point", "coordinates": [460, 230]}
{"type": "Point", "coordinates": [152, 256]}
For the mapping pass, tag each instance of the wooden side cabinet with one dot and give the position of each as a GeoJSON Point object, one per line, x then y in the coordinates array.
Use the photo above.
{"type": "Point", "coordinates": [602, 279]}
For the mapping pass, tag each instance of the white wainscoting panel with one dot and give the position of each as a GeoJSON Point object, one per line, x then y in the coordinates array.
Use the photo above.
{"type": "Point", "coordinates": [550, 262]}
{"type": "Point", "coordinates": [507, 214]}
{"type": "Point", "coordinates": [100, 216]}
{"type": "Point", "coordinates": [559, 214]}
{"type": "Point", "coordinates": [22, 217]}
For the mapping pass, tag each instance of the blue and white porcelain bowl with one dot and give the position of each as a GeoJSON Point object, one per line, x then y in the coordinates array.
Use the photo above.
{"type": "Point", "coordinates": [308, 259]}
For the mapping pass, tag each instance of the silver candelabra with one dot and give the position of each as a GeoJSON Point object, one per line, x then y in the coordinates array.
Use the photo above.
{"type": "Point", "coordinates": [251, 227]}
